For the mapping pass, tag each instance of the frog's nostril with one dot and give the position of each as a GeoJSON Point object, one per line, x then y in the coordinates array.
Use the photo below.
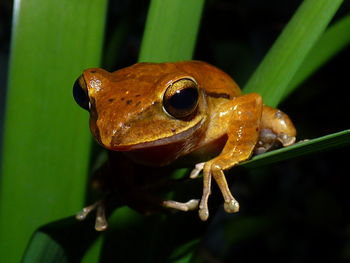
{"type": "Point", "coordinates": [80, 94]}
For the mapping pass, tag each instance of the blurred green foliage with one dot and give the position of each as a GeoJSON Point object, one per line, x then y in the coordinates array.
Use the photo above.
{"type": "Point", "coordinates": [45, 155]}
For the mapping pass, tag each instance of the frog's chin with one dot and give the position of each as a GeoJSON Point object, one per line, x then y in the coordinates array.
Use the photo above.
{"type": "Point", "coordinates": [182, 136]}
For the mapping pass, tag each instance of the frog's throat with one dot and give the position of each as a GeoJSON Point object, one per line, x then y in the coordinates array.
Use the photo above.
{"type": "Point", "coordinates": [164, 141]}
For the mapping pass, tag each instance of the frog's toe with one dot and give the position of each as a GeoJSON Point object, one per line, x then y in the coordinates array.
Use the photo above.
{"type": "Point", "coordinates": [101, 221]}
{"type": "Point", "coordinates": [187, 206]}
{"type": "Point", "coordinates": [81, 215]}
{"type": "Point", "coordinates": [196, 170]}
{"type": "Point", "coordinates": [203, 213]}
{"type": "Point", "coordinates": [232, 206]}
{"type": "Point", "coordinates": [286, 139]}
{"type": "Point", "coordinates": [192, 204]}
{"type": "Point", "coordinates": [267, 139]}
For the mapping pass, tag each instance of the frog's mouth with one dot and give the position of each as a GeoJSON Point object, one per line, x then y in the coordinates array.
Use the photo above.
{"type": "Point", "coordinates": [176, 138]}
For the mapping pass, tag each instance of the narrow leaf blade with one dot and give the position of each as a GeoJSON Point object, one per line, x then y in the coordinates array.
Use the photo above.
{"type": "Point", "coordinates": [328, 142]}
{"type": "Point", "coordinates": [46, 143]}
{"type": "Point", "coordinates": [335, 39]}
{"type": "Point", "coordinates": [288, 52]}
{"type": "Point", "coordinates": [171, 30]}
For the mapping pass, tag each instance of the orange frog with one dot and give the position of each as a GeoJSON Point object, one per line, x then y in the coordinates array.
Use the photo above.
{"type": "Point", "coordinates": [156, 113]}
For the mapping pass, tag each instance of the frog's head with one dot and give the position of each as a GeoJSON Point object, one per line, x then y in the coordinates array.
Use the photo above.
{"type": "Point", "coordinates": [141, 106]}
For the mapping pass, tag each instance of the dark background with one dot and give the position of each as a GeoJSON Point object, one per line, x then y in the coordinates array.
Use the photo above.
{"type": "Point", "coordinates": [293, 211]}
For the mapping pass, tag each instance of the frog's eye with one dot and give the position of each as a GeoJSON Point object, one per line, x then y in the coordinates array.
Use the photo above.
{"type": "Point", "coordinates": [80, 93]}
{"type": "Point", "coordinates": [181, 98]}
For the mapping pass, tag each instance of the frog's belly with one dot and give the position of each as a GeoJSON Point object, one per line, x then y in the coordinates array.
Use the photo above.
{"type": "Point", "coordinates": [157, 155]}
{"type": "Point", "coordinates": [208, 151]}
{"type": "Point", "coordinates": [187, 151]}
{"type": "Point", "coordinates": [179, 152]}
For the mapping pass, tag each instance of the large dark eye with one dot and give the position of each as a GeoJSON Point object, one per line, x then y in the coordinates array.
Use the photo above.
{"type": "Point", "coordinates": [80, 93]}
{"type": "Point", "coordinates": [181, 98]}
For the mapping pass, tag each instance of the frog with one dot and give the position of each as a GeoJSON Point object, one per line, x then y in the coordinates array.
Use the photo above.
{"type": "Point", "coordinates": [155, 114]}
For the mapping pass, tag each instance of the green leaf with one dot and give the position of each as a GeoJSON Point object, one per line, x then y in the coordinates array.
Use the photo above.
{"type": "Point", "coordinates": [63, 241]}
{"type": "Point", "coordinates": [328, 142]}
{"type": "Point", "coordinates": [275, 73]}
{"type": "Point", "coordinates": [46, 141]}
{"type": "Point", "coordinates": [335, 39]}
{"type": "Point", "coordinates": [44, 249]}
{"type": "Point", "coordinates": [184, 253]}
{"type": "Point", "coordinates": [171, 30]}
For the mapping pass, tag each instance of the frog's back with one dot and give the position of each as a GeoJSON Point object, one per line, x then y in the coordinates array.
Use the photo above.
{"type": "Point", "coordinates": [214, 81]}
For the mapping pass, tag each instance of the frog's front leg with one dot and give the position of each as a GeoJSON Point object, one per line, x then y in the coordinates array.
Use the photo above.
{"type": "Point", "coordinates": [243, 133]}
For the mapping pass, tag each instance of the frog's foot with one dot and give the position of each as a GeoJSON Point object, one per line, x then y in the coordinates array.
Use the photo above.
{"type": "Point", "coordinates": [187, 206]}
{"type": "Point", "coordinates": [196, 170]}
{"type": "Point", "coordinates": [215, 168]}
{"type": "Point", "coordinates": [268, 140]}
{"type": "Point", "coordinates": [286, 139]}
{"type": "Point", "coordinates": [101, 221]}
